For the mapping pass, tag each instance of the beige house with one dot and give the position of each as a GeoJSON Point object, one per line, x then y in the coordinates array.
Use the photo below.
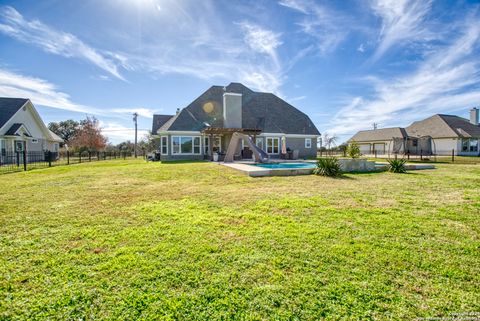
{"type": "Point", "coordinates": [22, 129]}
{"type": "Point", "coordinates": [438, 134]}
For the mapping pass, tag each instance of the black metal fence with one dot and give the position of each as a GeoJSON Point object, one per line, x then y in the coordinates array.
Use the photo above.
{"type": "Point", "coordinates": [24, 161]}
{"type": "Point", "coordinates": [443, 156]}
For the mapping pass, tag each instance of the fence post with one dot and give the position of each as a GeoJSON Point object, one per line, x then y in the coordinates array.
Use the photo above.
{"type": "Point", "coordinates": [453, 155]}
{"type": "Point", "coordinates": [89, 156]}
{"type": "Point", "coordinates": [80, 157]}
{"type": "Point", "coordinates": [408, 155]}
{"type": "Point", "coordinates": [124, 155]}
{"type": "Point", "coordinates": [17, 158]}
{"type": "Point", "coordinates": [375, 152]}
{"type": "Point", "coordinates": [68, 157]}
{"type": "Point", "coordinates": [421, 154]}
{"type": "Point", "coordinates": [25, 160]}
{"type": "Point", "coordinates": [396, 155]}
{"type": "Point", "coordinates": [104, 156]}
{"type": "Point", "coordinates": [49, 159]}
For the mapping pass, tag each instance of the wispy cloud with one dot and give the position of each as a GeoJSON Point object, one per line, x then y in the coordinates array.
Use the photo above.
{"type": "Point", "coordinates": [117, 132]}
{"type": "Point", "coordinates": [248, 55]}
{"type": "Point", "coordinates": [402, 21]}
{"type": "Point", "coordinates": [446, 81]}
{"type": "Point", "coordinates": [320, 22]}
{"type": "Point", "coordinates": [44, 93]}
{"type": "Point", "coordinates": [194, 48]}
{"type": "Point", "coordinates": [39, 91]}
{"type": "Point", "coordinates": [144, 112]}
{"type": "Point", "coordinates": [13, 24]}
{"type": "Point", "coordinates": [262, 40]}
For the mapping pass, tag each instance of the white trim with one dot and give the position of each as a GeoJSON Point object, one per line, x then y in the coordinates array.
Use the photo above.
{"type": "Point", "coordinates": [309, 140]}
{"type": "Point", "coordinates": [21, 108]}
{"type": "Point", "coordinates": [161, 144]}
{"type": "Point", "coordinates": [180, 133]}
{"type": "Point", "coordinates": [193, 145]}
{"type": "Point", "coordinates": [259, 139]}
{"type": "Point", "coordinates": [278, 146]}
{"type": "Point", "coordinates": [288, 135]}
{"type": "Point", "coordinates": [232, 94]}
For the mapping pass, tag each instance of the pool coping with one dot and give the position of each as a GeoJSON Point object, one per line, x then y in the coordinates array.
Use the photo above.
{"type": "Point", "coordinates": [256, 171]}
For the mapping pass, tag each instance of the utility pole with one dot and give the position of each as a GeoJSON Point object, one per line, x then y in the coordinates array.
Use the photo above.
{"type": "Point", "coordinates": [135, 115]}
{"type": "Point", "coordinates": [375, 126]}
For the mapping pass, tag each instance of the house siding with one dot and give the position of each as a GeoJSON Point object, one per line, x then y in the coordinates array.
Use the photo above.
{"type": "Point", "coordinates": [298, 143]}
{"type": "Point", "coordinates": [24, 116]}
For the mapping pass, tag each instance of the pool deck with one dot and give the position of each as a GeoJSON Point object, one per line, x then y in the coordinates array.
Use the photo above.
{"type": "Point", "coordinates": [256, 171]}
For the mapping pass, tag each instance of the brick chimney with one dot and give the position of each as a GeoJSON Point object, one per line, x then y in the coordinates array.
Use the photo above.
{"type": "Point", "coordinates": [474, 116]}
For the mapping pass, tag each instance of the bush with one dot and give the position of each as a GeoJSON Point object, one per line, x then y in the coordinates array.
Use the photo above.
{"type": "Point", "coordinates": [397, 165]}
{"type": "Point", "coordinates": [328, 166]}
{"type": "Point", "coordinates": [353, 150]}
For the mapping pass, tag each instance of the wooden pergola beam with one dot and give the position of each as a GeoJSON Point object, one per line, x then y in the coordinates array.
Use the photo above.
{"type": "Point", "coordinates": [219, 130]}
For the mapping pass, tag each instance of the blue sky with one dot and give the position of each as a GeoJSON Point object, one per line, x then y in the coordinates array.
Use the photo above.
{"type": "Point", "coordinates": [347, 64]}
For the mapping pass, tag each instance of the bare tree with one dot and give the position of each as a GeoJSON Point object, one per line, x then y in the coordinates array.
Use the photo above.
{"type": "Point", "coordinates": [329, 141]}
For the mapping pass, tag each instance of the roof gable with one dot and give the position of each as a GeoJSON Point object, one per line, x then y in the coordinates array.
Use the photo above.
{"type": "Point", "coordinates": [264, 111]}
{"type": "Point", "coordinates": [9, 107]}
{"type": "Point", "coordinates": [436, 126]}
{"type": "Point", "coordinates": [379, 134]}
{"type": "Point", "coordinates": [159, 121]}
{"type": "Point", "coordinates": [15, 128]}
{"type": "Point", "coordinates": [462, 126]}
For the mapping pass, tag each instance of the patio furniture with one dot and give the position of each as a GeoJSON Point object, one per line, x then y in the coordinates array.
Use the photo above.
{"type": "Point", "coordinates": [295, 154]}
{"type": "Point", "coordinates": [247, 153]}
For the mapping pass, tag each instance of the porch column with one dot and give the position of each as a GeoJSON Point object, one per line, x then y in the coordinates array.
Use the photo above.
{"type": "Point", "coordinates": [210, 147]}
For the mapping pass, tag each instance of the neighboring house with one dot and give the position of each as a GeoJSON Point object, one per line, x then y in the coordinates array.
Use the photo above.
{"type": "Point", "coordinates": [22, 129]}
{"type": "Point", "coordinates": [206, 125]}
{"type": "Point", "coordinates": [438, 134]}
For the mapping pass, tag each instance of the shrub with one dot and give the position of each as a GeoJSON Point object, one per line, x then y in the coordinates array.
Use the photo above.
{"type": "Point", "coordinates": [328, 166]}
{"type": "Point", "coordinates": [353, 150]}
{"type": "Point", "coordinates": [397, 165]}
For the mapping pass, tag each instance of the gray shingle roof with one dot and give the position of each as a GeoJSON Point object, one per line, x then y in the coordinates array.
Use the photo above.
{"type": "Point", "coordinates": [159, 121]}
{"type": "Point", "coordinates": [440, 126]}
{"type": "Point", "coordinates": [378, 134]}
{"type": "Point", "coordinates": [264, 111]}
{"type": "Point", "coordinates": [8, 108]}
{"type": "Point", "coordinates": [436, 126]}
{"type": "Point", "coordinates": [13, 129]}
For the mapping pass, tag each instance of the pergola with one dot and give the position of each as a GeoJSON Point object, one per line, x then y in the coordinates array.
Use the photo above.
{"type": "Point", "coordinates": [210, 131]}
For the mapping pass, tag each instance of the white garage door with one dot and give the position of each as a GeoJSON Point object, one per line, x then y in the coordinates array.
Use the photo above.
{"type": "Point", "coordinates": [379, 148]}
{"type": "Point", "coordinates": [364, 148]}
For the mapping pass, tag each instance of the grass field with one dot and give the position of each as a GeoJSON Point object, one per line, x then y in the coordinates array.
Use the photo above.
{"type": "Point", "coordinates": [197, 241]}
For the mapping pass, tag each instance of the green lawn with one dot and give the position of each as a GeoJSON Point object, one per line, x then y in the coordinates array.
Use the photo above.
{"type": "Point", "coordinates": [198, 241]}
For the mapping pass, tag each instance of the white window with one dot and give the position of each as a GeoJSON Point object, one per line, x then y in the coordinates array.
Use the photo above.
{"type": "Point", "coordinates": [308, 143]}
{"type": "Point", "coordinates": [273, 144]}
{"type": "Point", "coordinates": [185, 145]}
{"type": "Point", "coordinates": [469, 145]}
{"type": "Point", "coordinates": [217, 144]}
{"type": "Point", "coordinates": [206, 145]}
{"type": "Point", "coordinates": [19, 146]}
{"type": "Point", "coordinates": [473, 145]}
{"type": "Point", "coordinates": [259, 142]}
{"type": "Point", "coordinates": [164, 145]}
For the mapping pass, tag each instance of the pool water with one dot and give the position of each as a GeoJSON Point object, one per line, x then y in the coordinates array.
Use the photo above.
{"type": "Point", "coordinates": [286, 165]}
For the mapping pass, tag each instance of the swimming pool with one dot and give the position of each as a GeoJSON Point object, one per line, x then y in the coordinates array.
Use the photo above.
{"type": "Point", "coordinates": [286, 165]}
